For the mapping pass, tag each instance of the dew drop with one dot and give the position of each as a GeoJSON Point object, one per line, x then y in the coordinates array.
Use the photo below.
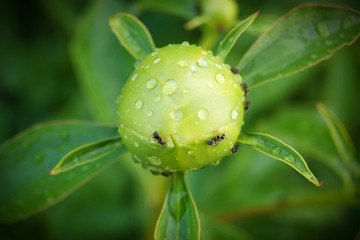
{"type": "Point", "coordinates": [203, 113]}
{"type": "Point", "coordinates": [185, 43]}
{"type": "Point", "coordinates": [190, 152]}
{"type": "Point", "coordinates": [322, 29]}
{"type": "Point", "coordinates": [177, 115]}
{"type": "Point", "coordinates": [170, 87]}
{"type": "Point", "coordinates": [193, 68]}
{"type": "Point", "coordinates": [154, 53]}
{"type": "Point", "coordinates": [136, 144]}
{"type": "Point", "coordinates": [134, 76]}
{"type": "Point", "coordinates": [307, 174]}
{"type": "Point", "coordinates": [213, 102]}
{"type": "Point", "coordinates": [210, 84]}
{"type": "Point", "coordinates": [136, 159]}
{"type": "Point", "coordinates": [234, 114]}
{"type": "Point", "coordinates": [139, 104]}
{"type": "Point", "coordinates": [137, 64]}
{"type": "Point", "coordinates": [157, 99]}
{"type": "Point", "coordinates": [289, 158]}
{"type": "Point", "coordinates": [220, 78]}
{"type": "Point", "coordinates": [155, 160]}
{"type": "Point", "coordinates": [157, 60]}
{"type": "Point", "coordinates": [183, 63]}
{"type": "Point", "coordinates": [151, 83]}
{"type": "Point", "coordinates": [218, 66]}
{"type": "Point", "coordinates": [276, 150]}
{"type": "Point", "coordinates": [203, 63]}
{"type": "Point", "coordinates": [149, 113]}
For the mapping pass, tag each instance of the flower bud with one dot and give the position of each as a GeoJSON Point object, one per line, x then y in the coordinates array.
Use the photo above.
{"type": "Point", "coordinates": [181, 109]}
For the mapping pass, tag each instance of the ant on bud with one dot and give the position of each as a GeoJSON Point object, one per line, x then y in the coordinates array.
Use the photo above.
{"type": "Point", "coordinates": [244, 87]}
{"type": "Point", "coordinates": [235, 70]}
{"type": "Point", "coordinates": [216, 140]}
{"type": "Point", "coordinates": [158, 138]}
{"type": "Point", "coordinates": [247, 104]}
{"type": "Point", "coordinates": [235, 148]}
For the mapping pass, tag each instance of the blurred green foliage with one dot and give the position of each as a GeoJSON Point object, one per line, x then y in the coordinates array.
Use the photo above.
{"type": "Point", "coordinates": [53, 54]}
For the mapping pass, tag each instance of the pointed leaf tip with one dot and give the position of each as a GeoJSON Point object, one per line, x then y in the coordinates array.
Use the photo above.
{"type": "Point", "coordinates": [86, 154]}
{"type": "Point", "coordinates": [132, 34]}
{"type": "Point", "coordinates": [279, 150]}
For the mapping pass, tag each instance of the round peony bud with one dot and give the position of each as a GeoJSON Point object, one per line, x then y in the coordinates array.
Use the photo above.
{"type": "Point", "coordinates": [181, 109]}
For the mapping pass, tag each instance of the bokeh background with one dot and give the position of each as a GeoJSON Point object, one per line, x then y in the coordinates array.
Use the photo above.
{"type": "Point", "coordinates": [60, 60]}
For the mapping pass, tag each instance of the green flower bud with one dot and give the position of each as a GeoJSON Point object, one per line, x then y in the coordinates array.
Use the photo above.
{"type": "Point", "coordinates": [181, 109]}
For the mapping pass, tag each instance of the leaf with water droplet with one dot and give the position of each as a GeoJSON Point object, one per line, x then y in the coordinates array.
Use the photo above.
{"type": "Point", "coordinates": [30, 166]}
{"type": "Point", "coordinates": [178, 218]}
{"type": "Point", "coordinates": [277, 149]}
{"type": "Point", "coordinates": [228, 42]}
{"type": "Point", "coordinates": [132, 34]}
{"type": "Point", "coordinates": [296, 42]}
{"type": "Point", "coordinates": [86, 154]}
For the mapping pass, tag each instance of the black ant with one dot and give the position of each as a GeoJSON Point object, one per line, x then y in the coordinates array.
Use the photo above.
{"type": "Point", "coordinates": [244, 87]}
{"type": "Point", "coordinates": [235, 70]}
{"type": "Point", "coordinates": [216, 140]}
{"type": "Point", "coordinates": [247, 104]}
{"type": "Point", "coordinates": [235, 148]}
{"type": "Point", "coordinates": [166, 174]}
{"type": "Point", "coordinates": [158, 138]}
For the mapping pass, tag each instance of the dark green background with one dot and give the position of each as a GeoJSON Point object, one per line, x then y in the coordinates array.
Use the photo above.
{"type": "Point", "coordinates": [42, 72]}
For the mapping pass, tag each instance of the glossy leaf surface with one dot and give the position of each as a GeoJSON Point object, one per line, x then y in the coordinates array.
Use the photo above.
{"type": "Point", "coordinates": [300, 39]}
{"type": "Point", "coordinates": [279, 150]}
{"type": "Point", "coordinates": [86, 153]}
{"type": "Point", "coordinates": [228, 42]}
{"type": "Point", "coordinates": [132, 34]}
{"type": "Point", "coordinates": [25, 183]}
{"type": "Point", "coordinates": [179, 218]}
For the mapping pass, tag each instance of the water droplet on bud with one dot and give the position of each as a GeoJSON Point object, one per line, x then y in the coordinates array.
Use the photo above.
{"type": "Point", "coordinates": [203, 113]}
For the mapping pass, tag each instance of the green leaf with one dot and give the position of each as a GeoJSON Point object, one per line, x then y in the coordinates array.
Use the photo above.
{"type": "Point", "coordinates": [86, 153]}
{"type": "Point", "coordinates": [228, 42]}
{"type": "Point", "coordinates": [277, 149]}
{"type": "Point", "coordinates": [132, 34]}
{"type": "Point", "coordinates": [339, 134]}
{"type": "Point", "coordinates": [25, 183]}
{"type": "Point", "coordinates": [102, 67]}
{"type": "Point", "coordinates": [178, 218]}
{"type": "Point", "coordinates": [300, 39]}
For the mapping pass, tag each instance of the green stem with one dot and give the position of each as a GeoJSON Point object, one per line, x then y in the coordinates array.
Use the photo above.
{"type": "Point", "coordinates": [178, 218]}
